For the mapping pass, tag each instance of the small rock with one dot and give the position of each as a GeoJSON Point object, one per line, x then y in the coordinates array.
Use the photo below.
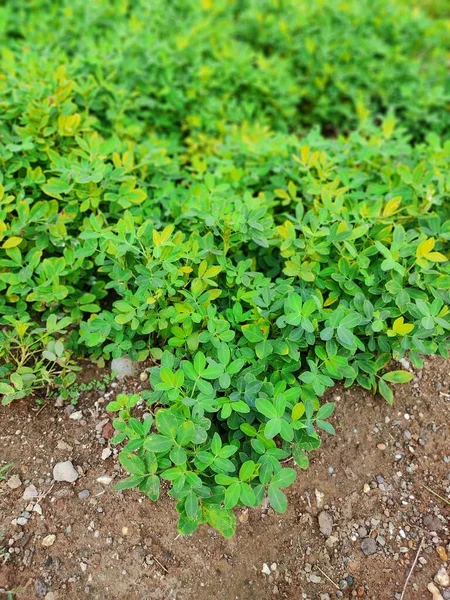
{"type": "Point", "coordinates": [143, 376]}
{"type": "Point", "coordinates": [435, 591]}
{"type": "Point", "coordinates": [405, 363]}
{"type": "Point", "coordinates": [106, 453]}
{"type": "Point", "coordinates": [107, 431]}
{"type": "Point", "coordinates": [369, 546]}
{"type": "Point", "coordinates": [105, 479]}
{"type": "Point", "coordinates": [442, 577]}
{"type": "Point", "coordinates": [84, 494]}
{"type": "Point", "coordinates": [50, 596]}
{"type": "Point", "coordinates": [76, 416]}
{"type": "Point", "coordinates": [65, 471]}
{"type": "Point", "coordinates": [381, 446]}
{"type": "Point", "coordinates": [14, 482]}
{"type": "Point", "coordinates": [266, 569]}
{"type": "Point", "coordinates": [366, 488]}
{"type": "Point", "coordinates": [432, 523]}
{"type": "Point", "coordinates": [40, 588]}
{"type": "Point", "coordinates": [325, 523]}
{"type": "Point", "coordinates": [124, 367]}
{"type": "Point", "coordinates": [442, 553]}
{"type": "Point", "coordinates": [37, 508]}
{"type": "Point", "coordinates": [61, 445]}
{"type": "Point", "coordinates": [362, 532]}
{"type": "Point", "coordinates": [320, 496]}
{"type": "Point", "coordinates": [315, 578]}
{"type": "Point", "coordinates": [22, 521]}
{"type": "Point", "coordinates": [49, 540]}
{"type": "Point", "coordinates": [331, 541]}
{"type": "Point", "coordinates": [30, 492]}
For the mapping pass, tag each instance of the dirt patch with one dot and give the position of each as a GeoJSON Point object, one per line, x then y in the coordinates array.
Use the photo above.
{"type": "Point", "coordinates": [368, 483]}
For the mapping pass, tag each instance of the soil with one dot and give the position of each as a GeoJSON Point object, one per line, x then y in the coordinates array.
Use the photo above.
{"type": "Point", "coordinates": [374, 482]}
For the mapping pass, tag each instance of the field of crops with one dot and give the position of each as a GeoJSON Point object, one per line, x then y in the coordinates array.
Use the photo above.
{"type": "Point", "coordinates": [250, 195]}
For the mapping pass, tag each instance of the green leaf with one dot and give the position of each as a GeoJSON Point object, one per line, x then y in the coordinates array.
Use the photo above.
{"type": "Point", "coordinates": [325, 411]}
{"type": "Point", "coordinates": [300, 457]}
{"type": "Point", "coordinates": [284, 478]}
{"type": "Point", "coordinates": [132, 463]}
{"type": "Point", "coordinates": [398, 376]}
{"type": "Point", "coordinates": [266, 408]}
{"type": "Point", "coordinates": [272, 428]}
{"type": "Point", "coordinates": [221, 519]}
{"type": "Point", "coordinates": [128, 483]}
{"type": "Point", "coordinates": [278, 500]}
{"type": "Point", "coordinates": [191, 504]}
{"type": "Point", "coordinates": [158, 443]}
{"type": "Point", "coordinates": [232, 495]}
{"type": "Point", "coordinates": [246, 470]}
{"type": "Point", "coordinates": [386, 392]}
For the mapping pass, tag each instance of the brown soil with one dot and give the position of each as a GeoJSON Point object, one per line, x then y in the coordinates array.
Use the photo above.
{"type": "Point", "coordinates": [117, 546]}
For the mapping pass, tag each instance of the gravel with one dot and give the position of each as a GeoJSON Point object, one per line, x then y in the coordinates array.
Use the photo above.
{"type": "Point", "coordinates": [14, 482]}
{"type": "Point", "coordinates": [65, 471]}
{"type": "Point", "coordinates": [325, 523]}
{"type": "Point", "coordinates": [369, 546]}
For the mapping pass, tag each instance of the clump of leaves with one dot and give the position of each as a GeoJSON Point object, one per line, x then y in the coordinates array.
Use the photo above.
{"type": "Point", "coordinates": [34, 357]}
{"type": "Point", "coordinates": [159, 207]}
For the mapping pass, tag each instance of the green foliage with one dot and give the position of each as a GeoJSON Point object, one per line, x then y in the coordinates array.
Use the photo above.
{"type": "Point", "coordinates": [252, 194]}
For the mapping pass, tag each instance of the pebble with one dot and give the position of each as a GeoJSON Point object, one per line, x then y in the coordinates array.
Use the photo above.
{"type": "Point", "coordinates": [432, 523]}
{"type": "Point", "coordinates": [369, 546]}
{"type": "Point", "coordinates": [266, 569]}
{"type": "Point", "coordinates": [435, 591]}
{"type": "Point", "coordinates": [331, 541]}
{"type": "Point", "coordinates": [40, 588]}
{"type": "Point", "coordinates": [381, 446]}
{"type": "Point", "coordinates": [49, 540]}
{"type": "Point", "coordinates": [65, 471]}
{"type": "Point", "coordinates": [84, 494]}
{"type": "Point", "coordinates": [14, 482]}
{"type": "Point", "coordinates": [325, 523]}
{"type": "Point", "coordinates": [50, 596]}
{"type": "Point", "coordinates": [442, 578]}
{"type": "Point", "coordinates": [106, 453]}
{"type": "Point", "coordinates": [105, 479]}
{"type": "Point", "coordinates": [143, 376]}
{"type": "Point", "coordinates": [61, 445]}
{"type": "Point", "coordinates": [22, 521]}
{"type": "Point", "coordinates": [76, 415]}
{"type": "Point", "coordinates": [315, 578]}
{"type": "Point", "coordinates": [442, 553]}
{"type": "Point", "coordinates": [30, 492]}
{"type": "Point", "coordinates": [124, 367]}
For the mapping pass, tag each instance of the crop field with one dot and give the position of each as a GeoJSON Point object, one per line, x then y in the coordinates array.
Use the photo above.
{"type": "Point", "coordinates": [224, 237]}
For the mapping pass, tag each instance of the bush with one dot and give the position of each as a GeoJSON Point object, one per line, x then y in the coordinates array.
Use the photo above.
{"type": "Point", "coordinates": [158, 200]}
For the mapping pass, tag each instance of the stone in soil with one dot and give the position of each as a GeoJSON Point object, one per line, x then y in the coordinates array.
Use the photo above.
{"type": "Point", "coordinates": [369, 546]}
{"type": "Point", "coordinates": [325, 523]}
{"type": "Point", "coordinates": [435, 591]}
{"type": "Point", "coordinates": [40, 588]}
{"type": "Point", "coordinates": [30, 492]}
{"type": "Point", "coordinates": [14, 482]}
{"type": "Point", "coordinates": [49, 540]}
{"type": "Point", "coordinates": [65, 471]}
{"type": "Point", "coordinates": [84, 494]}
{"type": "Point", "coordinates": [442, 578]}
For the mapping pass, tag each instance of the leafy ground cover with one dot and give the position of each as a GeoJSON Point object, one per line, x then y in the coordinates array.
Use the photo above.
{"type": "Point", "coordinates": [252, 194]}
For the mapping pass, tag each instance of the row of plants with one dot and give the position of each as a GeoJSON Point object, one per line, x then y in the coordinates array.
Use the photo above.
{"type": "Point", "coordinates": [163, 196]}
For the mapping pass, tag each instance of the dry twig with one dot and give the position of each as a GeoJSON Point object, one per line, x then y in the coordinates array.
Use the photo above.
{"type": "Point", "coordinates": [412, 568]}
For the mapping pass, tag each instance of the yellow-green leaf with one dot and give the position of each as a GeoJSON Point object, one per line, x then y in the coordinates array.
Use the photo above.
{"type": "Point", "coordinates": [11, 242]}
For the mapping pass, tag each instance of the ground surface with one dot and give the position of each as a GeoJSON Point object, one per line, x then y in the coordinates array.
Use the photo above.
{"type": "Point", "coordinates": [369, 481]}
